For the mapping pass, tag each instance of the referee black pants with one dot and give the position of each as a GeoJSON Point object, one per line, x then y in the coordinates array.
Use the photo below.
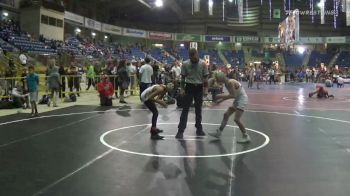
{"type": "Point", "coordinates": [192, 92]}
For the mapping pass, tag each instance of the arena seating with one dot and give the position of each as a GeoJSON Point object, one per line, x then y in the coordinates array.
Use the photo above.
{"type": "Point", "coordinates": [235, 58]}
{"type": "Point", "coordinates": [316, 58]}
{"type": "Point", "coordinates": [343, 59]}
{"type": "Point", "coordinates": [293, 59]}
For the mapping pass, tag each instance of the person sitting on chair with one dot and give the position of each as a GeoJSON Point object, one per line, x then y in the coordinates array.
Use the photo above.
{"type": "Point", "coordinates": [105, 88]}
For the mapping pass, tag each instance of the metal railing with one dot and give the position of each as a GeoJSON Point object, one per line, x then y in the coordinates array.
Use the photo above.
{"type": "Point", "coordinates": [70, 84]}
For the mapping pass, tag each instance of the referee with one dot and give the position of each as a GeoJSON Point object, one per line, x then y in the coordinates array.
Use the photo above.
{"type": "Point", "coordinates": [194, 74]}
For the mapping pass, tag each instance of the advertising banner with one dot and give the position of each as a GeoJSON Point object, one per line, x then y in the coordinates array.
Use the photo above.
{"type": "Point", "coordinates": [312, 40]}
{"type": "Point", "coordinates": [217, 38]}
{"type": "Point", "coordinates": [247, 39]}
{"type": "Point", "coordinates": [135, 33]}
{"type": "Point", "coordinates": [112, 29]}
{"type": "Point", "coordinates": [188, 37]}
{"type": "Point", "coordinates": [74, 17]}
{"type": "Point", "coordinates": [336, 40]}
{"type": "Point", "coordinates": [160, 35]}
{"type": "Point", "coordinates": [93, 24]}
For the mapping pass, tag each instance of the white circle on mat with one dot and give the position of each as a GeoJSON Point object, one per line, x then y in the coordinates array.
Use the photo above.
{"type": "Point", "coordinates": [266, 142]}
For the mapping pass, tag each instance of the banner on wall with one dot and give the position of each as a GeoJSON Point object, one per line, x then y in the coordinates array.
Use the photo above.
{"type": "Point", "coordinates": [188, 37]}
{"type": "Point", "coordinates": [135, 33]}
{"type": "Point", "coordinates": [312, 40]}
{"type": "Point", "coordinates": [240, 11]}
{"type": "Point", "coordinates": [112, 29]}
{"type": "Point", "coordinates": [347, 10]}
{"type": "Point", "coordinates": [160, 35]}
{"type": "Point", "coordinates": [93, 24]}
{"type": "Point", "coordinates": [271, 40]}
{"type": "Point", "coordinates": [247, 39]}
{"type": "Point", "coordinates": [217, 38]}
{"type": "Point", "coordinates": [336, 40]}
{"type": "Point", "coordinates": [74, 17]}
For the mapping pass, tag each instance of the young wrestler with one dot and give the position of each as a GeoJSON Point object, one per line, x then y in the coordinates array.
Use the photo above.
{"type": "Point", "coordinates": [321, 93]}
{"type": "Point", "coordinates": [149, 97]}
{"type": "Point", "coordinates": [236, 92]}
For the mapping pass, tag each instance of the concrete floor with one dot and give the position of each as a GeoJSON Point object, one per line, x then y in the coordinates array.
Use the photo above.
{"type": "Point", "coordinates": [300, 146]}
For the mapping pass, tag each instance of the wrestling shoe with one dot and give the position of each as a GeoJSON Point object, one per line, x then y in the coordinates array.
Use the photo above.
{"type": "Point", "coordinates": [179, 135]}
{"type": "Point", "coordinates": [200, 133]}
{"type": "Point", "coordinates": [216, 134]}
{"type": "Point", "coordinates": [245, 139]}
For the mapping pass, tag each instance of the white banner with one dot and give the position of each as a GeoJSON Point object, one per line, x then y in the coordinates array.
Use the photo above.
{"type": "Point", "coordinates": [210, 7]}
{"type": "Point", "coordinates": [93, 24]}
{"type": "Point", "coordinates": [322, 7]}
{"type": "Point", "coordinates": [112, 29]}
{"type": "Point", "coordinates": [196, 5]}
{"type": "Point", "coordinates": [347, 12]}
{"type": "Point", "coordinates": [74, 17]}
{"type": "Point", "coordinates": [240, 11]}
{"type": "Point", "coordinates": [134, 32]}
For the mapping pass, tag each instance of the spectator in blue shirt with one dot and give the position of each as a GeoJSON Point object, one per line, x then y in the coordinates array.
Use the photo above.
{"type": "Point", "coordinates": [32, 85]}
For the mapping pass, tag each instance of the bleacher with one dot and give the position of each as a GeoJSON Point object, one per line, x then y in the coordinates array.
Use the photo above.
{"type": "Point", "coordinates": [182, 52]}
{"type": "Point", "coordinates": [23, 42]}
{"type": "Point", "coordinates": [293, 59]}
{"type": "Point", "coordinates": [6, 46]}
{"type": "Point", "coordinates": [317, 58]}
{"type": "Point", "coordinates": [136, 53]}
{"type": "Point", "coordinates": [343, 59]}
{"type": "Point", "coordinates": [235, 58]}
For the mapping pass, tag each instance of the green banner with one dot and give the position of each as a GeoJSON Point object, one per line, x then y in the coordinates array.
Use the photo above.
{"type": "Point", "coordinates": [247, 39]}
{"type": "Point", "coordinates": [188, 37]}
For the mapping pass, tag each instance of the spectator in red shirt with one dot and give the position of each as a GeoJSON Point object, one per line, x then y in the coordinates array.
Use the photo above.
{"type": "Point", "coordinates": [106, 90]}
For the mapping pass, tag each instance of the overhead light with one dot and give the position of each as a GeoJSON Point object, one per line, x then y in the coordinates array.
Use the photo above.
{"type": "Point", "coordinates": [77, 30]}
{"type": "Point", "coordinates": [93, 34]}
{"type": "Point", "coordinates": [210, 3]}
{"type": "Point", "coordinates": [106, 37]}
{"type": "Point", "coordinates": [230, 1]}
{"type": "Point", "coordinates": [5, 14]}
{"type": "Point", "coordinates": [319, 4]}
{"type": "Point", "coordinates": [159, 3]}
{"type": "Point", "coordinates": [182, 45]}
{"type": "Point", "coordinates": [301, 49]}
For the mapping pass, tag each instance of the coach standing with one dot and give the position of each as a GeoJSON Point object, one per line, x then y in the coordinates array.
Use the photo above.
{"type": "Point", "coordinates": [194, 74]}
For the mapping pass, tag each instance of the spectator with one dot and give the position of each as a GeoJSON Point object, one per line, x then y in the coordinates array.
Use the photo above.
{"type": "Point", "coordinates": [54, 84]}
{"type": "Point", "coordinates": [33, 83]}
{"type": "Point", "coordinates": [62, 73]}
{"type": "Point", "coordinates": [90, 75]}
{"type": "Point", "coordinates": [132, 75]}
{"type": "Point", "coordinates": [123, 79]}
{"type": "Point", "coordinates": [105, 89]}
{"type": "Point", "coordinates": [20, 99]}
{"type": "Point", "coordinates": [146, 72]}
{"type": "Point", "coordinates": [73, 80]}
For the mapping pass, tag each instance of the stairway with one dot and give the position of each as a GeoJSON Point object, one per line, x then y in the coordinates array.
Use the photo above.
{"type": "Point", "coordinates": [222, 57]}
{"type": "Point", "coordinates": [307, 58]}
{"type": "Point", "coordinates": [334, 60]}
